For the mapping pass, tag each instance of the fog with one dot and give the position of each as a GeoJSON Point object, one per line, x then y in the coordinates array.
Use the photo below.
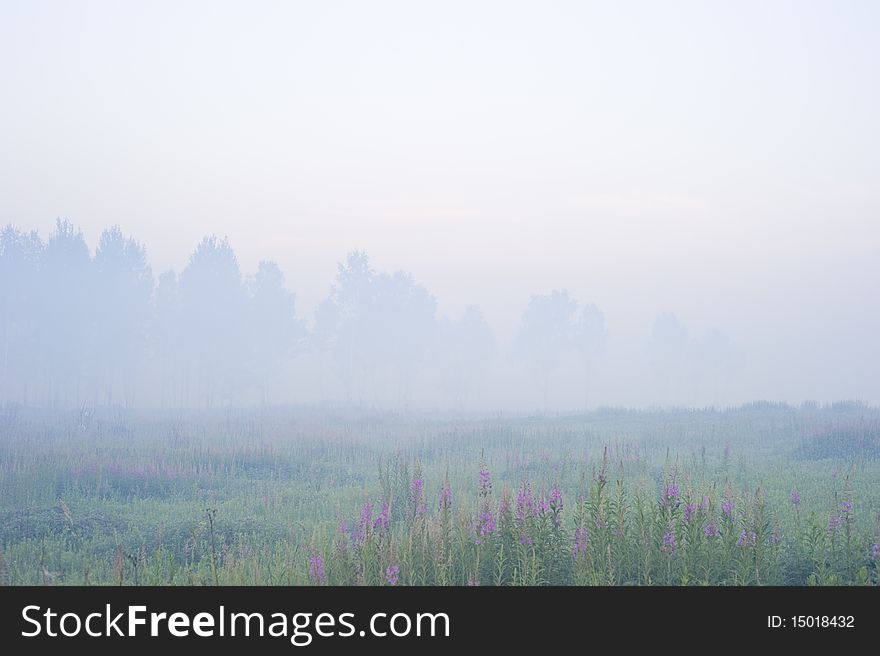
{"type": "Point", "coordinates": [450, 206]}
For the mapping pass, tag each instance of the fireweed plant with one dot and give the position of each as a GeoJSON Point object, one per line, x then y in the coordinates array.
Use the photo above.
{"type": "Point", "coordinates": [705, 498]}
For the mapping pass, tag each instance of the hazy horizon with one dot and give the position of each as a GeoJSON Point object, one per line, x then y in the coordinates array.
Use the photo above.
{"type": "Point", "coordinates": [716, 163]}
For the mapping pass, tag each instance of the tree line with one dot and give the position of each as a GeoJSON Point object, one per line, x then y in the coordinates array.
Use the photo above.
{"type": "Point", "coordinates": [97, 328]}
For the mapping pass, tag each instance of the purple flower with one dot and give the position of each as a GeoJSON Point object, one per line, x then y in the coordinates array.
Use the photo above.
{"type": "Point", "coordinates": [359, 534]}
{"type": "Point", "coordinates": [525, 504]}
{"type": "Point", "coordinates": [486, 525]}
{"type": "Point", "coordinates": [526, 508]}
{"type": "Point", "coordinates": [670, 494]}
{"type": "Point", "coordinates": [543, 506]}
{"type": "Point", "coordinates": [834, 522]}
{"type": "Point", "coordinates": [847, 507]}
{"type": "Point", "coordinates": [316, 570]}
{"type": "Point", "coordinates": [555, 506]}
{"type": "Point", "coordinates": [555, 499]}
{"type": "Point", "coordinates": [669, 543]}
{"type": "Point", "coordinates": [417, 496]}
{"type": "Point", "coordinates": [727, 508]}
{"type": "Point", "coordinates": [795, 498]}
{"type": "Point", "coordinates": [445, 502]}
{"type": "Point", "coordinates": [875, 551]}
{"type": "Point", "coordinates": [580, 543]}
{"type": "Point", "coordinates": [711, 530]}
{"type": "Point", "coordinates": [747, 539]}
{"type": "Point", "coordinates": [504, 504]}
{"type": "Point", "coordinates": [485, 482]}
{"type": "Point", "coordinates": [689, 511]}
{"type": "Point", "coordinates": [382, 520]}
{"type": "Point", "coordinates": [391, 574]}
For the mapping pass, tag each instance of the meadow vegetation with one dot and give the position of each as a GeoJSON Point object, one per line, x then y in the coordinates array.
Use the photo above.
{"type": "Point", "coordinates": [762, 494]}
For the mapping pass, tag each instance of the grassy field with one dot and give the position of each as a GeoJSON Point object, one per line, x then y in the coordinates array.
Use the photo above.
{"type": "Point", "coordinates": [763, 494]}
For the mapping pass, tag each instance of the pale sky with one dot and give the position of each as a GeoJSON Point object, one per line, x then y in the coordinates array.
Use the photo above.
{"type": "Point", "coordinates": [717, 160]}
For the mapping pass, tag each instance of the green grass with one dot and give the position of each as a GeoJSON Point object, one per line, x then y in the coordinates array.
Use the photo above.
{"type": "Point", "coordinates": [130, 498]}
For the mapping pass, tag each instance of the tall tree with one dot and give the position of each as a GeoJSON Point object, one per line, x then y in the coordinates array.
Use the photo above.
{"type": "Point", "coordinates": [213, 305]}
{"type": "Point", "coordinates": [375, 323]}
{"type": "Point", "coordinates": [589, 341]}
{"type": "Point", "coordinates": [341, 321]}
{"type": "Point", "coordinates": [123, 291]}
{"type": "Point", "coordinates": [67, 318]}
{"type": "Point", "coordinates": [466, 349]}
{"type": "Point", "coordinates": [719, 361]}
{"type": "Point", "coordinates": [401, 327]}
{"type": "Point", "coordinates": [273, 328]}
{"type": "Point", "coordinates": [546, 331]}
{"type": "Point", "coordinates": [19, 290]}
{"type": "Point", "coordinates": [670, 351]}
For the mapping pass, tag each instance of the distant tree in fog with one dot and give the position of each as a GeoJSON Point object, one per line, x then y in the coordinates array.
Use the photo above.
{"type": "Point", "coordinates": [373, 322]}
{"type": "Point", "coordinates": [123, 289]}
{"type": "Point", "coordinates": [273, 329]}
{"type": "Point", "coordinates": [74, 327]}
{"type": "Point", "coordinates": [691, 370]}
{"type": "Point", "coordinates": [341, 321]}
{"type": "Point", "coordinates": [465, 350]}
{"type": "Point", "coordinates": [66, 316]}
{"type": "Point", "coordinates": [213, 306]}
{"type": "Point", "coordinates": [719, 362]}
{"type": "Point", "coordinates": [401, 327]}
{"type": "Point", "coordinates": [670, 353]}
{"type": "Point", "coordinates": [19, 325]}
{"type": "Point", "coordinates": [546, 332]}
{"type": "Point", "coordinates": [589, 342]}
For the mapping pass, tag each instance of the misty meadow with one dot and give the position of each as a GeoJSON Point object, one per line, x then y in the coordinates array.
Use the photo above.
{"type": "Point", "coordinates": [144, 442]}
{"type": "Point", "coordinates": [454, 293]}
{"type": "Point", "coordinates": [760, 495]}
